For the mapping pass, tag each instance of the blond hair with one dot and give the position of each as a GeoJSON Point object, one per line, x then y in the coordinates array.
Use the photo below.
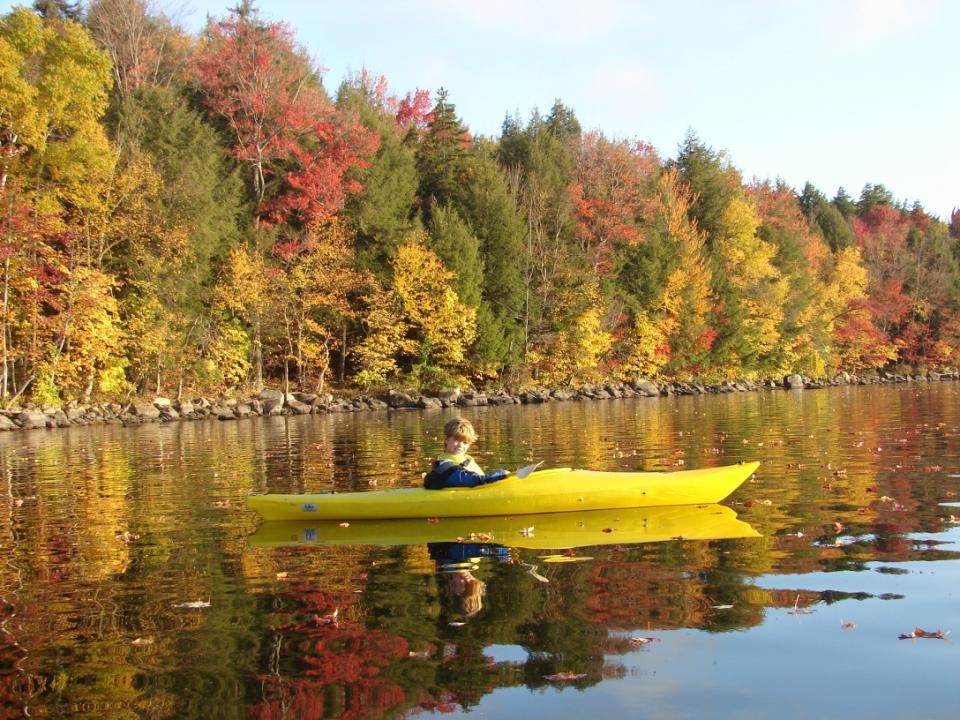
{"type": "Point", "coordinates": [461, 429]}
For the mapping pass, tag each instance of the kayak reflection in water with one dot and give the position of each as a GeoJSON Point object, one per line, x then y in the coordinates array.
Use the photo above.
{"type": "Point", "coordinates": [453, 467]}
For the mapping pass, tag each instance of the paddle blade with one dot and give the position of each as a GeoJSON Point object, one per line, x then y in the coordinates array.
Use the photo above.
{"type": "Point", "coordinates": [527, 469]}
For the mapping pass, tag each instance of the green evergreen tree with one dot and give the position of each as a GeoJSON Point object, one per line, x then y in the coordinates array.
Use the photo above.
{"type": "Point", "coordinates": [713, 180]}
{"type": "Point", "coordinates": [825, 217]}
{"type": "Point", "coordinates": [455, 244]}
{"type": "Point", "coordinates": [845, 204]}
{"type": "Point", "coordinates": [445, 155]}
{"type": "Point", "coordinates": [491, 211]}
{"type": "Point", "coordinates": [382, 211]}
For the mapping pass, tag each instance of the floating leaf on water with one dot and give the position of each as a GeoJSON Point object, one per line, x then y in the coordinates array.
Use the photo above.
{"type": "Point", "coordinates": [640, 641]}
{"type": "Point", "coordinates": [456, 624]}
{"type": "Point", "coordinates": [527, 531]}
{"type": "Point", "coordinates": [344, 524]}
{"type": "Point", "coordinates": [937, 634]}
{"type": "Point", "coordinates": [847, 625]}
{"type": "Point", "coordinates": [193, 604]}
{"type": "Point", "coordinates": [564, 676]}
{"type": "Point", "coordinates": [721, 607]}
{"type": "Point", "coordinates": [281, 576]}
{"type": "Point", "coordinates": [143, 641]}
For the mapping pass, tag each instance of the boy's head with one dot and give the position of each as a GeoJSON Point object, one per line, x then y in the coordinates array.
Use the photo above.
{"type": "Point", "coordinates": [458, 432]}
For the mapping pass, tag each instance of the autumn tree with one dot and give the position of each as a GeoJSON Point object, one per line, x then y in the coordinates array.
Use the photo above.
{"type": "Point", "coordinates": [319, 285]}
{"type": "Point", "coordinates": [610, 192]}
{"type": "Point", "coordinates": [144, 45]}
{"type": "Point", "coordinates": [752, 294]}
{"type": "Point", "coordinates": [666, 280]}
{"type": "Point", "coordinates": [56, 163]}
{"type": "Point", "coordinates": [263, 89]}
{"type": "Point", "coordinates": [441, 325]}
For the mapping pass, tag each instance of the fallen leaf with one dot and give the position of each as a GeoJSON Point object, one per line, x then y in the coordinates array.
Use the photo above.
{"type": "Point", "coordinates": [643, 640]}
{"type": "Point", "coordinates": [937, 634]}
{"type": "Point", "coordinates": [847, 625]}
{"type": "Point", "coordinates": [143, 641]}
{"type": "Point", "coordinates": [838, 527]}
{"type": "Point", "coordinates": [527, 531]}
{"type": "Point", "coordinates": [194, 604]}
{"type": "Point", "coordinates": [564, 676]}
{"type": "Point", "coordinates": [344, 524]}
{"type": "Point", "coordinates": [281, 576]}
{"type": "Point", "coordinates": [721, 607]}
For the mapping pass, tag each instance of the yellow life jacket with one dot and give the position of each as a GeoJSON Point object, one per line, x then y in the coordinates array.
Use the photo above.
{"type": "Point", "coordinates": [465, 461]}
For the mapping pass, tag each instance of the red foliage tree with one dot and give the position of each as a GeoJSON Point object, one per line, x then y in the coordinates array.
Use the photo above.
{"type": "Point", "coordinates": [611, 192]}
{"type": "Point", "coordinates": [298, 147]}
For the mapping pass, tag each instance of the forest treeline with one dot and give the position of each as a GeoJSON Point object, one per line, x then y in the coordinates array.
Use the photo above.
{"type": "Point", "coordinates": [185, 213]}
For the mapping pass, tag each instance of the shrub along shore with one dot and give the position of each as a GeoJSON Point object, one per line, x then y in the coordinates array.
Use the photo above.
{"type": "Point", "coordinates": [275, 402]}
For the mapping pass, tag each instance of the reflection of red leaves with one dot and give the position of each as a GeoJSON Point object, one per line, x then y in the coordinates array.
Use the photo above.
{"type": "Point", "coordinates": [564, 676]}
{"type": "Point", "coordinates": [937, 634]}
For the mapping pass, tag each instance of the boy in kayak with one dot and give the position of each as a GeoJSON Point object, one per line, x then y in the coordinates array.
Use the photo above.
{"type": "Point", "coordinates": [454, 468]}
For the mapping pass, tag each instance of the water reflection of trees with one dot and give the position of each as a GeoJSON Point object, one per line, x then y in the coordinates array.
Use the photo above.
{"type": "Point", "coordinates": [75, 596]}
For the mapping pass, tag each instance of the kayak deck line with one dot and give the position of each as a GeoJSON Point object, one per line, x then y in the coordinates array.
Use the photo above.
{"type": "Point", "coordinates": [543, 491]}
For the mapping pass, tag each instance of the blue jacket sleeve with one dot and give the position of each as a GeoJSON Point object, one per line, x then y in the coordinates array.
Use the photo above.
{"type": "Point", "coordinates": [464, 478]}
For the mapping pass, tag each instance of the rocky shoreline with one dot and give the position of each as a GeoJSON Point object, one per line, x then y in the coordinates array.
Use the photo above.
{"type": "Point", "coordinates": [274, 402]}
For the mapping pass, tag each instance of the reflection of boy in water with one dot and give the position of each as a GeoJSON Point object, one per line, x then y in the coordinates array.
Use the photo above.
{"type": "Point", "coordinates": [467, 593]}
{"type": "Point", "coordinates": [466, 590]}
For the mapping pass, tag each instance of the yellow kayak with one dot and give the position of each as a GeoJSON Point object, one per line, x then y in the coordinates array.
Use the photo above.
{"type": "Point", "coordinates": [556, 531]}
{"type": "Point", "coordinates": [544, 491]}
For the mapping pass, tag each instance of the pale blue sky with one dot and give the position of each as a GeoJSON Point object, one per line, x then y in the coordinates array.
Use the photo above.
{"type": "Point", "coordinates": [838, 92]}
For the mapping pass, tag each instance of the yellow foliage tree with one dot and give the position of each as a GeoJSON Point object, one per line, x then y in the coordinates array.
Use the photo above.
{"type": "Point", "coordinates": [385, 337]}
{"type": "Point", "coordinates": [758, 288]}
{"type": "Point", "coordinates": [442, 325]}
{"type": "Point", "coordinates": [319, 284]}
{"type": "Point", "coordinates": [247, 289]}
{"type": "Point", "coordinates": [673, 323]}
{"type": "Point", "coordinates": [579, 348]}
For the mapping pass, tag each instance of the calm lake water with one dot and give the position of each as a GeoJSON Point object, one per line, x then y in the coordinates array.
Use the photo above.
{"type": "Point", "coordinates": [134, 584]}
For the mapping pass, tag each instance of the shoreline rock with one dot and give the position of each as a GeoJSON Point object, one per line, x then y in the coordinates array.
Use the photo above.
{"type": "Point", "coordinates": [271, 403]}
